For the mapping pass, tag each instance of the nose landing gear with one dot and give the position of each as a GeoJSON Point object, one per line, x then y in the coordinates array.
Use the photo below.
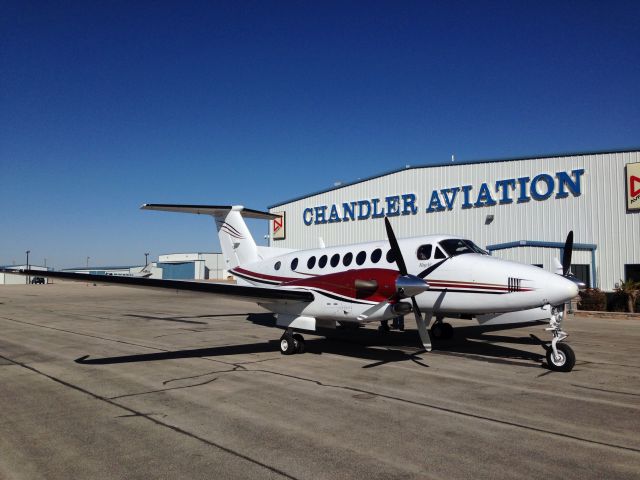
{"type": "Point", "coordinates": [560, 356]}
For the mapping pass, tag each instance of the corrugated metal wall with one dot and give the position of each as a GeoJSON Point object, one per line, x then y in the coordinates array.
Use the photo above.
{"type": "Point", "coordinates": [598, 216]}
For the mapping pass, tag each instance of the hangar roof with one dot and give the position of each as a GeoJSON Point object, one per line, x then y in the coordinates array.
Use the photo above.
{"type": "Point", "coordinates": [448, 164]}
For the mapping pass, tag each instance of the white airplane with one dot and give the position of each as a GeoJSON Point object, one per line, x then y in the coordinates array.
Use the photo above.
{"type": "Point", "coordinates": [440, 275]}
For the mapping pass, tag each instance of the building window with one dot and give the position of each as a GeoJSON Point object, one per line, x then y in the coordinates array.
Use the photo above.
{"type": "Point", "coordinates": [311, 263]}
{"type": "Point", "coordinates": [294, 264]}
{"type": "Point", "coordinates": [346, 260]}
{"type": "Point", "coordinates": [424, 252]}
{"type": "Point", "coordinates": [582, 273]}
{"type": "Point", "coordinates": [323, 261]}
{"type": "Point", "coordinates": [335, 260]}
{"type": "Point", "coordinates": [361, 257]}
{"type": "Point", "coordinates": [376, 255]}
{"type": "Point", "coordinates": [277, 265]}
{"type": "Point", "coordinates": [632, 272]}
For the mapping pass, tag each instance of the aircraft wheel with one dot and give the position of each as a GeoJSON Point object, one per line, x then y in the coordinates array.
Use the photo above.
{"type": "Point", "coordinates": [287, 344]}
{"type": "Point", "coordinates": [437, 330]}
{"type": "Point", "coordinates": [447, 331]}
{"type": "Point", "coordinates": [299, 341]}
{"type": "Point", "coordinates": [565, 361]}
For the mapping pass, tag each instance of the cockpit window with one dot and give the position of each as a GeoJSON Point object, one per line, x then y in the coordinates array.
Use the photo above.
{"type": "Point", "coordinates": [424, 252]}
{"type": "Point", "coordinates": [456, 246]}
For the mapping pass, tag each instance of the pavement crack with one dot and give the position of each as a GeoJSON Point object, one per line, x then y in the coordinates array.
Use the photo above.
{"type": "Point", "coordinates": [150, 418]}
{"type": "Point", "coordinates": [447, 410]}
{"type": "Point", "coordinates": [201, 375]}
{"type": "Point", "coordinates": [606, 390]}
{"type": "Point", "coordinates": [163, 389]}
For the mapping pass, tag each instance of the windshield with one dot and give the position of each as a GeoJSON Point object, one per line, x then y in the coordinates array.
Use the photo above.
{"type": "Point", "coordinates": [456, 246]}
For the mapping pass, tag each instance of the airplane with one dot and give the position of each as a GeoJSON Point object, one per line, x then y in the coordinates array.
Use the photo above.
{"type": "Point", "coordinates": [441, 275]}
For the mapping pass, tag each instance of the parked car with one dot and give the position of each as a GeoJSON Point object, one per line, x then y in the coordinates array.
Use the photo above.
{"type": "Point", "coordinates": [37, 280]}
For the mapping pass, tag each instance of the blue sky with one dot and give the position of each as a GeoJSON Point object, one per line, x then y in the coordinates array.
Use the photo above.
{"type": "Point", "coordinates": [108, 105]}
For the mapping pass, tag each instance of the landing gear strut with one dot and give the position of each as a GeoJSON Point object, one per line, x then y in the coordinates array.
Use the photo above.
{"type": "Point", "coordinates": [560, 356]}
{"type": "Point", "coordinates": [291, 343]}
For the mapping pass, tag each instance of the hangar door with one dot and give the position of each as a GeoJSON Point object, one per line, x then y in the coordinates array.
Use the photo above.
{"type": "Point", "coordinates": [178, 271]}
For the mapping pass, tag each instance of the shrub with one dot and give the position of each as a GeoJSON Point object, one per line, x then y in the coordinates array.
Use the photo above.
{"type": "Point", "coordinates": [631, 291]}
{"type": "Point", "coordinates": [592, 299]}
{"type": "Point", "coordinates": [616, 302]}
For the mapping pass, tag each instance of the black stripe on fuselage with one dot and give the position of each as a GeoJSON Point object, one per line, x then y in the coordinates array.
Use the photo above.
{"type": "Point", "coordinates": [455, 290]}
{"type": "Point", "coordinates": [255, 279]}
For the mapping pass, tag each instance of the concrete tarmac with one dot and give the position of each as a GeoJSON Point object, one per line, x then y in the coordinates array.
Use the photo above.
{"type": "Point", "coordinates": [116, 383]}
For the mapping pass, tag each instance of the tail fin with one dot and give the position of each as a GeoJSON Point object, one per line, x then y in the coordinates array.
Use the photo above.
{"type": "Point", "coordinates": [237, 244]}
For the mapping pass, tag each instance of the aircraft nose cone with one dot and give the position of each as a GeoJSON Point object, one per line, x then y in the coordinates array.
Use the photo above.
{"type": "Point", "coordinates": [557, 289]}
{"type": "Point", "coordinates": [573, 289]}
{"type": "Point", "coordinates": [566, 288]}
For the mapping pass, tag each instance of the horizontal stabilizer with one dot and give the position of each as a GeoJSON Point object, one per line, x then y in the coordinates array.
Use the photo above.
{"type": "Point", "coordinates": [213, 210]}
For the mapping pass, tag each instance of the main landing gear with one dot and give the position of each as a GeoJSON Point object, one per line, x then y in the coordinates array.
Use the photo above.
{"type": "Point", "coordinates": [441, 330]}
{"type": "Point", "coordinates": [291, 343]}
{"type": "Point", "coordinates": [560, 356]}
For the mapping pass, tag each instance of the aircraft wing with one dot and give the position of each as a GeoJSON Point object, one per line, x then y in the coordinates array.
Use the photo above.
{"type": "Point", "coordinates": [239, 292]}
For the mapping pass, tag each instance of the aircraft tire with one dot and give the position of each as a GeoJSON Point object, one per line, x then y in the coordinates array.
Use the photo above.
{"type": "Point", "coordinates": [437, 330]}
{"type": "Point", "coordinates": [566, 361]}
{"type": "Point", "coordinates": [287, 344]}
{"type": "Point", "coordinates": [299, 340]}
{"type": "Point", "coordinates": [447, 331]}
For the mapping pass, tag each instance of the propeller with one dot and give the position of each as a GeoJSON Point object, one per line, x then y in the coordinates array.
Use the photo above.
{"type": "Point", "coordinates": [409, 286]}
{"type": "Point", "coordinates": [566, 256]}
{"type": "Point", "coordinates": [566, 262]}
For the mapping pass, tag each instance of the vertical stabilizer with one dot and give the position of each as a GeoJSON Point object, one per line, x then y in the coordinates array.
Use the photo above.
{"type": "Point", "coordinates": [237, 243]}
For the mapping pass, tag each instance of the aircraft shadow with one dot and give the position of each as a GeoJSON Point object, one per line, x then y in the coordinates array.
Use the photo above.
{"type": "Point", "coordinates": [472, 342]}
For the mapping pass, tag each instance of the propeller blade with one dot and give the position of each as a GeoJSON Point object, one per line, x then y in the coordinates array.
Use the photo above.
{"type": "Point", "coordinates": [566, 256]}
{"type": "Point", "coordinates": [395, 248]}
{"type": "Point", "coordinates": [422, 326]}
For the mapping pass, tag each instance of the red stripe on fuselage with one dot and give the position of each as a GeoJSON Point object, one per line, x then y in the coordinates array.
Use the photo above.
{"type": "Point", "coordinates": [343, 283]}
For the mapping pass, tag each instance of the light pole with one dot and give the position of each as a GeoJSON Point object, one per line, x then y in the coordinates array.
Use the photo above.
{"type": "Point", "coordinates": [146, 259]}
{"type": "Point", "coordinates": [88, 262]}
{"type": "Point", "coordinates": [28, 279]}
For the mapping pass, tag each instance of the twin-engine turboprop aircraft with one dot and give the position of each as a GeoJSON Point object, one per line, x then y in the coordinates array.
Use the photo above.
{"type": "Point", "coordinates": [370, 282]}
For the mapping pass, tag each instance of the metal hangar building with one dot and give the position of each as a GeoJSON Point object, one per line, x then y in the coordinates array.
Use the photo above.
{"type": "Point", "coordinates": [520, 209]}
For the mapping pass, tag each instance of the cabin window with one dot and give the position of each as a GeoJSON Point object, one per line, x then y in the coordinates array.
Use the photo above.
{"type": "Point", "coordinates": [361, 257]}
{"type": "Point", "coordinates": [277, 265]}
{"type": "Point", "coordinates": [335, 260]}
{"type": "Point", "coordinates": [311, 263]}
{"type": "Point", "coordinates": [424, 252]}
{"type": "Point", "coordinates": [376, 255]}
{"type": "Point", "coordinates": [323, 261]}
{"type": "Point", "coordinates": [294, 264]}
{"type": "Point", "coordinates": [439, 253]}
{"type": "Point", "coordinates": [391, 258]}
{"type": "Point", "coordinates": [346, 260]}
